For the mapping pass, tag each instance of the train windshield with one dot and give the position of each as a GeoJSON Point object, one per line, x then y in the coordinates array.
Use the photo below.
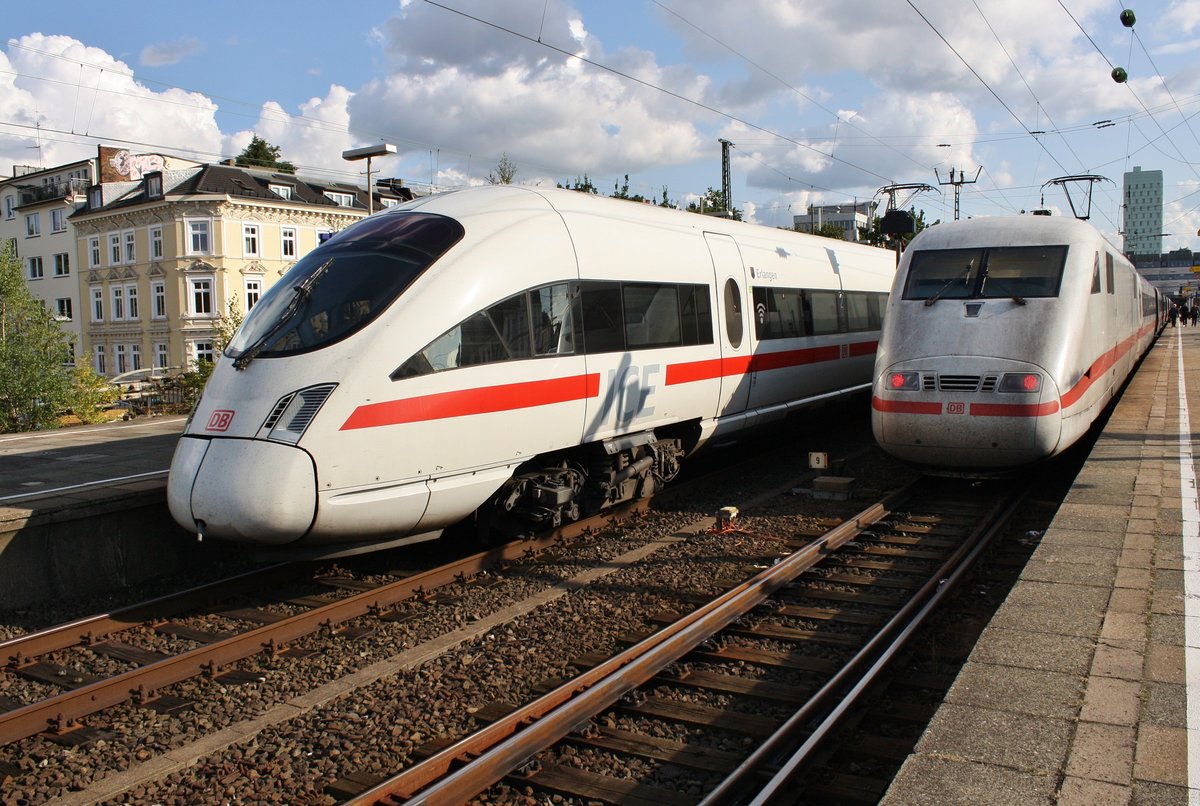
{"type": "Point", "coordinates": [1016, 272]}
{"type": "Point", "coordinates": [339, 287]}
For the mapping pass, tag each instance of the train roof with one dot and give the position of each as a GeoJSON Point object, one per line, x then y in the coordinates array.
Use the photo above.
{"type": "Point", "coordinates": [1006, 230]}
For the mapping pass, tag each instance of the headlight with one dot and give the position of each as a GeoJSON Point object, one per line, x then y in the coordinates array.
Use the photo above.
{"type": "Point", "coordinates": [1020, 382]}
{"type": "Point", "coordinates": [903, 382]}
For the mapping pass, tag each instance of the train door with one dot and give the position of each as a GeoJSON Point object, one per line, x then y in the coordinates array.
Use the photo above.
{"type": "Point", "coordinates": [733, 323]}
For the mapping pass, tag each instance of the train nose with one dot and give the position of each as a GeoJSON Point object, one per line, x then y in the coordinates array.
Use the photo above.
{"type": "Point", "coordinates": [249, 490]}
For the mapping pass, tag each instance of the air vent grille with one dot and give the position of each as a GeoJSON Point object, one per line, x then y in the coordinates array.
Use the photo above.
{"type": "Point", "coordinates": [958, 383]}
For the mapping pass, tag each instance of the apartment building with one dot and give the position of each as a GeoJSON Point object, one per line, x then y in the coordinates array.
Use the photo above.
{"type": "Point", "coordinates": [37, 205]}
{"type": "Point", "coordinates": [162, 257]}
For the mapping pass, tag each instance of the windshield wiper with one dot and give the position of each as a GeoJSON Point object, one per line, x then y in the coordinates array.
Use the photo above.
{"type": "Point", "coordinates": [301, 293]}
{"type": "Point", "coordinates": [950, 282]}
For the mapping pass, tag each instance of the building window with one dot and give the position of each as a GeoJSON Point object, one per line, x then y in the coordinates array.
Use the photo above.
{"type": "Point", "coordinates": [202, 351]}
{"type": "Point", "coordinates": [119, 358]}
{"type": "Point", "coordinates": [99, 351]}
{"type": "Point", "coordinates": [35, 268]}
{"type": "Point", "coordinates": [250, 240]}
{"type": "Point", "coordinates": [33, 225]}
{"type": "Point", "coordinates": [201, 296]}
{"type": "Point", "coordinates": [158, 300]}
{"type": "Point", "coordinates": [58, 220]}
{"type": "Point", "coordinates": [156, 243]}
{"type": "Point", "coordinates": [114, 248]}
{"type": "Point", "coordinates": [135, 356]}
{"type": "Point", "coordinates": [198, 236]}
{"type": "Point", "coordinates": [340, 199]}
{"type": "Point", "coordinates": [130, 249]}
{"type": "Point", "coordinates": [10, 207]}
{"type": "Point", "coordinates": [62, 264]}
{"type": "Point", "coordinates": [154, 185]}
{"type": "Point", "coordinates": [98, 305]}
{"type": "Point", "coordinates": [253, 293]}
{"type": "Point", "coordinates": [282, 191]}
{"type": "Point", "coordinates": [131, 302]}
{"type": "Point", "coordinates": [288, 242]}
{"type": "Point", "coordinates": [160, 354]}
{"type": "Point", "coordinates": [93, 252]}
{"type": "Point", "coordinates": [95, 197]}
{"type": "Point", "coordinates": [118, 306]}
{"type": "Point", "coordinates": [62, 309]}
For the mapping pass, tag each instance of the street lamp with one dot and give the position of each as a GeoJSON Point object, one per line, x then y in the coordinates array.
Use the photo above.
{"type": "Point", "coordinates": [366, 152]}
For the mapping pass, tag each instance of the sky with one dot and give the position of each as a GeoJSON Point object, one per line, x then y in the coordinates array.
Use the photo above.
{"type": "Point", "coordinates": [824, 103]}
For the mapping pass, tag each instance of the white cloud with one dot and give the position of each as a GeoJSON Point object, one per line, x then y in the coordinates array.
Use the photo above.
{"type": "Point", "coordinates": [170, 52]}
{"type": "Point", "coordinates": [82, 96]}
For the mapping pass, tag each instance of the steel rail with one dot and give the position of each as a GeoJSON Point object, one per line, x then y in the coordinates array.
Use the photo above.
{"type": "Point", "coordinates": [57, 712]}
{"type": "Point", "coordinates": [504, 745]}
{"type": "Point", "coordinates": [64, 636]}
{"type": "Point", "coordinates": [886, 642]}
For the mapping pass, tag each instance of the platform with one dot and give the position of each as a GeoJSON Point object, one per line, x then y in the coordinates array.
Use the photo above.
{"type": "Point", "coordinates": [83, 509]}
{"type": "Point", "coordinates": [1078, 690]}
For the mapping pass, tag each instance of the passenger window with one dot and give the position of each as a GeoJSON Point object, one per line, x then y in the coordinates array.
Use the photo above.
{"type": "Point", "coordinates": [651, 316]}
{"type": "Point", "coordinates": [695, 315]}
{"type": "Point", "coordinates": [1108, 272]}
{"type": "Point", "coordinates": [603, 325]}
{"type": "Point", "coordinates": [823, 305]}
{"type": "Point", "coordinates": [500, 333]}
{"type": "Point", "coordinates": [1096, 289]}
{"type": "Point", "coordinates": [733, 313]}
{"type": "Point", "coordinates": [553, 327]}
{"type": "Point", "coordinates": [858, 310]}
{"type": "Point", "coordinates": [778, 313]}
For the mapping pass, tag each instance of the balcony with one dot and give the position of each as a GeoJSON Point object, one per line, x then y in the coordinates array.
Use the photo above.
{"type": "Point", "coordinates": [55, 190]}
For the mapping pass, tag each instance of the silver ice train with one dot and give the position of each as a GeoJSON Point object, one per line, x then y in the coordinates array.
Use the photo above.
{"type": "Point", "coordinates": [516, 356]}
{"type": "Point", "coordinates": [1004, 340]}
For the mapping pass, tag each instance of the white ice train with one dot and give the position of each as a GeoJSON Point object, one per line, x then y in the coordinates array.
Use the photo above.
{"type": "Point", "coordinates": [515, 355]}
{"type": "Point", "coordinates": [1004, 340]}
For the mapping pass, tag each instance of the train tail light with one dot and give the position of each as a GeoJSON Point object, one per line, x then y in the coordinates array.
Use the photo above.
{"type": "Point", "coordinates": [1024, 382]}
{"type": "Point", "coordinates": [902, 381]}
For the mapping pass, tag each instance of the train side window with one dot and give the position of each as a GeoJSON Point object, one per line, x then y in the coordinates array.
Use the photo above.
{"type": "Point", "coordinates": [858, 311]}
{"type": "Point", "coordinates": [823, 305]}
{"type": "Point", "coordinates": [1109, 277]}
{"type": "Point", "coordinates": [553, 325]}
{"type": "Point", "coordinates": [603, 324]}
{"type": "Point", "coordinates": [877, 310]}
{"type": "Point", "coordinates": [651, 315]}
{"type": "Point", "coordinates": [1096, 288]}
{"type": "Point", "coordinates": [778, 313]}
{"type": "Point", "coordinates": [733, 313]}
{"type": "Point", "coordinates": [695, 315]}
{"type": "Point", "coordinates": [500, 333]}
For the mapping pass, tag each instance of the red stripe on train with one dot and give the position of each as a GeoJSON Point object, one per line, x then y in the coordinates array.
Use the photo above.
{"type": "Point", "coordinates": [905, 406]}
{"type": "Point", "coordinates": [465, 402]}
{"type": "Point", "coordinates": [764, 362]}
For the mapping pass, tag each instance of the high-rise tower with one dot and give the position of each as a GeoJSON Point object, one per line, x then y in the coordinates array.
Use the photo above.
{"type": "Point", "coordinates": [1143, 199]}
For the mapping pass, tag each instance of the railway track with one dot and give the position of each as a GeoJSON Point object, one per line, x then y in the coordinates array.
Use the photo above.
{"type": "Point", "coordinates": [775, 660]}
{"type": "Point", "coordinates": [53, 657]}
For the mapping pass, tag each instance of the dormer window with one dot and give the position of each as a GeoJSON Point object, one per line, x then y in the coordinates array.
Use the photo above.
{"type": "Point", "coordinates": [95, 197]}
{"type": "Point", "coordinates": [340, 199]}
{"type": "Point", "coordinates": [154, 185]}
{"type": "Point", "coordinates": [282, 191]}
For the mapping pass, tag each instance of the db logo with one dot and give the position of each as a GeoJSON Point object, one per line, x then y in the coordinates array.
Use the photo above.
{"type": "Point", "coordinates": [220, 420]}
{"type": "Point", "coordinates": [951, 408]}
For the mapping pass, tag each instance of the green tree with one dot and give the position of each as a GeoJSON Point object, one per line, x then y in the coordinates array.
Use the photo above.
{"type": "Point", "coordinates": [35, 385]}
{"type": "Point", "coordinates": [622, 192]}
{"type": "Point", "coordinates": [90, 395]}
{"type": "Point", "coordinates": [261, 154]}
{"type": "Point", "coordinates": [506, 172]}
{"type": "Point", "coordinates": [583, 185]}
{"type": "Point", "coordinates": [713, 201]}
